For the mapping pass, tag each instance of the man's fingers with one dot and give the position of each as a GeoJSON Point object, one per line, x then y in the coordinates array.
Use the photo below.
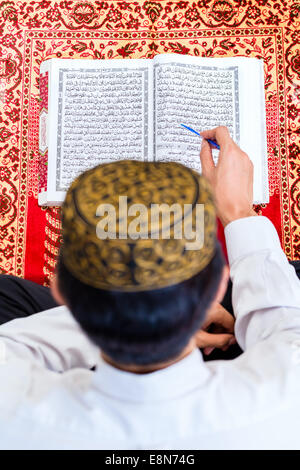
{"type": "Point", "coordinates": [209, 349]}
{"type": "Point", "coordinates": [219, 134]}
{"type": "Point", "coordinates": [206, 159]}
{"type": "Point", "coordinates": [219, 316]}
{"type": "Point", "coordinates": [219, 340]}
{"type": "Point", "coordinates": [225, 319]}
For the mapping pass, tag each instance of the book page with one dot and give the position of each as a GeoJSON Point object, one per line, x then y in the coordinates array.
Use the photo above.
{"type": "Point", "coordinates": [199, 96]}
{"type": "Point", "coordinates": [253, 134]}
{"type": "Point", "coordinates": [203, 93]}
{"type": "Point", "coordinates": [102, 115]}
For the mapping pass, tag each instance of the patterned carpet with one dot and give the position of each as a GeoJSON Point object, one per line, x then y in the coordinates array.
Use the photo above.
{"type": "Point", "coordinates": [32, 31]}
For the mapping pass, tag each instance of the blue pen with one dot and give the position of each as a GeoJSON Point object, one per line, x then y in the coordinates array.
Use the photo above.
{"type": "Point", "coordinates": [212, 142]}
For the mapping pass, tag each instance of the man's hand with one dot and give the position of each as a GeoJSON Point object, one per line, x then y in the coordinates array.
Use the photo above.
{"type": "Point", "coordinates": [231, 179]}
{"type": "Point", "coordinates": [217, 330]}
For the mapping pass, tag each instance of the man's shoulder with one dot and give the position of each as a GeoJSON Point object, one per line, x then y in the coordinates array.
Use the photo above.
{"type": "Point", "coordinates": [28, 385]}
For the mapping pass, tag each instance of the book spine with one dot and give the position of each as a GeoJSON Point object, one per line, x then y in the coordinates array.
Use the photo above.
{"type": "Point", "coordinates": [43, 132]}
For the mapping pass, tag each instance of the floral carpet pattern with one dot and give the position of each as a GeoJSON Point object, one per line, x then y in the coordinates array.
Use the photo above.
{"type": "Point", "coordinates": [32, 31]}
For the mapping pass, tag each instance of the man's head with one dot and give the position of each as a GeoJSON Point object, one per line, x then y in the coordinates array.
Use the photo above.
{"type": "Point", "coordinates": [137, 276]}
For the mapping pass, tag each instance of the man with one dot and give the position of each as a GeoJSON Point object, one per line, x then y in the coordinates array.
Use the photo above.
{"type": "Point", "coordinates": [142, 302]}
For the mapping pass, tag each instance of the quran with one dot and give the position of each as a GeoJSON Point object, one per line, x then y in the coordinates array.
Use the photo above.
{"type": "Point", "coordinates": [99, 111]}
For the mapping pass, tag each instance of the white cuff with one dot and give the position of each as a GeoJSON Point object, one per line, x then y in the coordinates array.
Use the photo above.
{"type": "Point", "coordinates": [250, 235]}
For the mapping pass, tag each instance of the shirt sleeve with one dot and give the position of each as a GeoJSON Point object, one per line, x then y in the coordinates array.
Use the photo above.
{"type": "Point", "coordinates": [51, 339]}
{"type": "Point", "coordinates": [266, 289]}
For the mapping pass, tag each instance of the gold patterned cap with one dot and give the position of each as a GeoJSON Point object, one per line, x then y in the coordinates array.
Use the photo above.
{"type": "Point", "coordinates": [135, 226]}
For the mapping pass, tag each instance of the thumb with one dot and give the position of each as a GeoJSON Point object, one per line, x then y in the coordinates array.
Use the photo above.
{"type": "Point", "coordinates": [206, 159]}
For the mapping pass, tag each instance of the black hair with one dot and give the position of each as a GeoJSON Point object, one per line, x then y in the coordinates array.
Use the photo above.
{"type": "Point", "coordinates": [142, 328]}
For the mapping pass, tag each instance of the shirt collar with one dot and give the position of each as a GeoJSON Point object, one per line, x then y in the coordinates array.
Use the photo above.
{"type": "Point", "coordinates": [173, 381]}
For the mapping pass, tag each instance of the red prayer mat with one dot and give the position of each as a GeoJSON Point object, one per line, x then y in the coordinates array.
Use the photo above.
{"type": "Point", "coordinates": [32, 31]}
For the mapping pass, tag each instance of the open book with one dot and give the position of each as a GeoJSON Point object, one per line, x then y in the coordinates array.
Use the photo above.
{"type": "Point", "coordinates": [98, 111]}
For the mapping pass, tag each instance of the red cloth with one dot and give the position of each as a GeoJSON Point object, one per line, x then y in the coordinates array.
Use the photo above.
{"type": "Point", "coordinates": [32, 31]}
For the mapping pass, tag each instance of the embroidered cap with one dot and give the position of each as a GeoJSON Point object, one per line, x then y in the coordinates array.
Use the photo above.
{"type": "Point", "coordinates": [134, 226]}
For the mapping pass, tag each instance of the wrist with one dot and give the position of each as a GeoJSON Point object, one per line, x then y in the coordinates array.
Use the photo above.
{"type": "Point", "coordinates": [241, 215]}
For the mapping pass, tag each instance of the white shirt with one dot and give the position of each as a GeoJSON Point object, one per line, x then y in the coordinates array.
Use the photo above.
{"type": "Point", "coordinates": [49, 399]}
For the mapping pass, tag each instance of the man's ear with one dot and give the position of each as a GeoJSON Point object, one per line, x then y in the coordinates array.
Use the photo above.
{"type": "Point", "coordinates": [55, 291]}
{"type": "Point", "coordinates": [223, 285]}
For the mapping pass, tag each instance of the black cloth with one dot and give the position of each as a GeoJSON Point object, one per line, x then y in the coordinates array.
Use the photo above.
{"type": "Point", "coordinates": [21, 298]}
